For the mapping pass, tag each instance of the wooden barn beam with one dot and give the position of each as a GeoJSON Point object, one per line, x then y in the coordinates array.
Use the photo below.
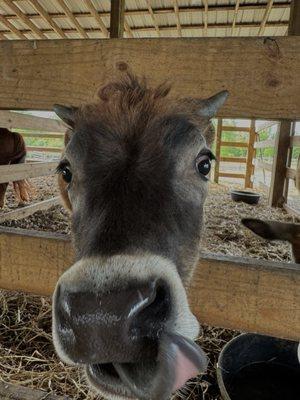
{"type": "Point", "coordinates": [116, 29]}
{"type": "Point", "coordinates": [176, 10]}
{"type": "Point", "coordinates": [43, 13]}
{"type": "Point", "coordinates": [97, 17]}
{"type": "Point", "coordinates": [23, 17]}
{"type": "Point", "coordinates": [265, 18]}
{"type": "Point", "coordinates": [231, 292]}
{"type": "Point", "coordinates": [282, 144]}
{"type": "Point", "coordinates": [294, 25]}
{"type": "Point", "coordinates": [236, 10]}
{"type": "Point", "coordinates": [72, 19]}
{"type": "Point", "coordinates": [165, 28]}
{"type": "Point", "coordinates": [150, 9]}
{"type": "Point", "coordinates": [11, 27]}
{"type": "Point", "coordinates": [256, 71]}
{"type": "Point", "coordinates": [164, 10]}
{"type": "Point", "coordinates": [250, 155]}
{"type": "Point", "coordinates": [205, 16]}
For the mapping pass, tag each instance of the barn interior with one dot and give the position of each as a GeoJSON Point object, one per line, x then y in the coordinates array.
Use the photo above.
{"type": "Point", "coordinates": [61, 51]}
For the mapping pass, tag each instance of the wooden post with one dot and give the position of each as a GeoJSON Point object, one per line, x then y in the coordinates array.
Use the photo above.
{"type": "Point", "coordinates": [250, 155]}
{"type": "Point", "coordinates": [288, 163]}
{"type": "Point", "coordinates": [117, 18]}
{"type": "Point", "coordinates": [294, 23]}
{"type": "Point", "coordinates": [218, 149]}
{"type": "Point", "coordinates": [282, 143]}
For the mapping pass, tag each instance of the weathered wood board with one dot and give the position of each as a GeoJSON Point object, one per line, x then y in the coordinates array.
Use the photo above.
{"type": "Point", "coordinates": [13, 120]}
{"type": "Point", "coordinates": [15, 172]}
{"type": "Point", "coordinates": [260, 73]}
{"type": "Point", "coordinates": [238, 293]}
{"type": "Point", "coordinates": [23, 212]}
{"type": "Point", "coordinates": [14, 392]}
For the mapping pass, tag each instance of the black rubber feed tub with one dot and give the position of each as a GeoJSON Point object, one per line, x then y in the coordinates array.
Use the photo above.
{"type": "Point", "coordinates": [256, 367]}
{"type": "Point", "coordinates": [246, 197]}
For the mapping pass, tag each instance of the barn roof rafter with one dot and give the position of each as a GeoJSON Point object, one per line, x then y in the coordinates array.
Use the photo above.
{"type": "Point", "coordinates": [59, 19]}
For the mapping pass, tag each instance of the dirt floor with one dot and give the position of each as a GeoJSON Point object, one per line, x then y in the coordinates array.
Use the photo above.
{"type": "Point", "coordinates": [42, 188]}
{"type": "Point", "coordinates": [26, 351]}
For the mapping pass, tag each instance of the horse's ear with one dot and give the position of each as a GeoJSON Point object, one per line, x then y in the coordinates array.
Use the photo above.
{"type": "Point", "coordinates": [209, 107]}
{"type": "Point", "coordinates": [65, 113]}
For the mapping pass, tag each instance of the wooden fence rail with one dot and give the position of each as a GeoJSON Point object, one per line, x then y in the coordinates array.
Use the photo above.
{"type": "Point", "coordinates": [24, 212]}
{"type": "Point", "coordinates": [14, 120]}
{"type": "Point", "coordinates": [231, 292]}
{"type": "Point", "coordinates": [16, 172]}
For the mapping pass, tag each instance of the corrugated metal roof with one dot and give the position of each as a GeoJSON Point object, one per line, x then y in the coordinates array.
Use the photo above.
{"type": "Point", "coordinates": [220, 16]}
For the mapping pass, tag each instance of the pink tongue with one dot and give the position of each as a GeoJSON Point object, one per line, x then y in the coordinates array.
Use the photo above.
{"type": "Point", "coordinates": [185, 369]}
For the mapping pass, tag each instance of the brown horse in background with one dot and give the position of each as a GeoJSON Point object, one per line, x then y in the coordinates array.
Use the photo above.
{"type": "Point", "coordinates": [13, 151]}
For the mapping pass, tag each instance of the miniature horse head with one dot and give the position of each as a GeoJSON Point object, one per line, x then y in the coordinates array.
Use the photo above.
{"type": "Point", "coordinates": [275, 230]}
{"type": "Point", "coordinates": [134, 175]}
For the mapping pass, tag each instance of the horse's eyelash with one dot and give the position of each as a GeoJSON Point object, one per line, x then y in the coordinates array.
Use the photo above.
{"type": "Point", "coordinates": [59, 169]}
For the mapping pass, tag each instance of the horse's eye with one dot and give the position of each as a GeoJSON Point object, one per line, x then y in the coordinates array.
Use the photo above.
{"type": "Point", "coordinates": [66, 174]}
{"type": "Point", "coordinates": [203, 164]}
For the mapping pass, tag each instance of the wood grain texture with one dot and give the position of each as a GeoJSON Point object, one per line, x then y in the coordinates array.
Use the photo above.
{"type": "Point", "coordinates": [281, 148]}
{"type": "Point", "coordinates": [13, 120]}
{"type": "Point", "coordinates": [231, 292]}
{"type": "Point", "coordinates": [218, 149]}
{"type": "Point", "coordinates": [14, 392]}
{"type": "Point", "coordinates": [32, 262]}
{"type": "Point", "coordinates": [117, 19]}
{"type": "Point", "coordinates": [294, 25]}
{"type": "Point", "coordinates": [258, 72]}
{"type": "Point", "coordinates": [250, 155]}
{"type": "Point", "coordinates": [15, 172]}
{"type": "Point", "coordinates": [249, 295]}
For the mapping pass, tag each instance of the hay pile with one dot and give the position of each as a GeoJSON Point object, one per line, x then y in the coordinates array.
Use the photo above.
{"type": "Point", "coordinates": [225, 234]}
{"type": "Point", "coordinates": [27, 355]}
{"type": "Point", "coordinates": [42, 188]}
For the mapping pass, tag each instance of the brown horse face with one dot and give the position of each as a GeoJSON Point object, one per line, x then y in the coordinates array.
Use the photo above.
{"type": "Point", "coordinates": [134, 174]}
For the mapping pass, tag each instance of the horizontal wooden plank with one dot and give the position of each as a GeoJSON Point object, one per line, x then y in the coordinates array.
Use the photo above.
{"type": "Point", "coordinates": [264, 144]}
{"type": "Point", "coordinates": [16, 392]}
{"type": "Point", "coordinates": [249, 295]}
{"type": "Point", "coordinates": [234, 144]}
{"type": "Point", "coordinates": [10, 173]}
{"type": "Point", "coordinates": [256, 71]}
{"type": "Point", "coordinates": [264, 165]}
{"type": "Point", "coordinates": [231, 175]}
{"type": "Point", "coordinates": [235, 129]}
{"type": "Point", "coordinates": [237, 293]}
{"type": "Point", "coordinates": [40, 135]}
{"type": "Point", "coordinates": [295, 141]}
{"type": "Point", "coordinates": [291, 173]}
{"type": "Point", "coordinates": [14, 120]}
{"type": "Point", "coordinates": [29, 210]}
{"type": "Point", "coordinates": [234, 159]}
{"type": "Point", "coordinates": [44, 149]}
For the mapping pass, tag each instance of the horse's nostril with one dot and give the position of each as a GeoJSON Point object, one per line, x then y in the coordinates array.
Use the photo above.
{"type": "Point", "coordinates": [149, 321]}
{"type": "Point", "coordinates": [116, 326]}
